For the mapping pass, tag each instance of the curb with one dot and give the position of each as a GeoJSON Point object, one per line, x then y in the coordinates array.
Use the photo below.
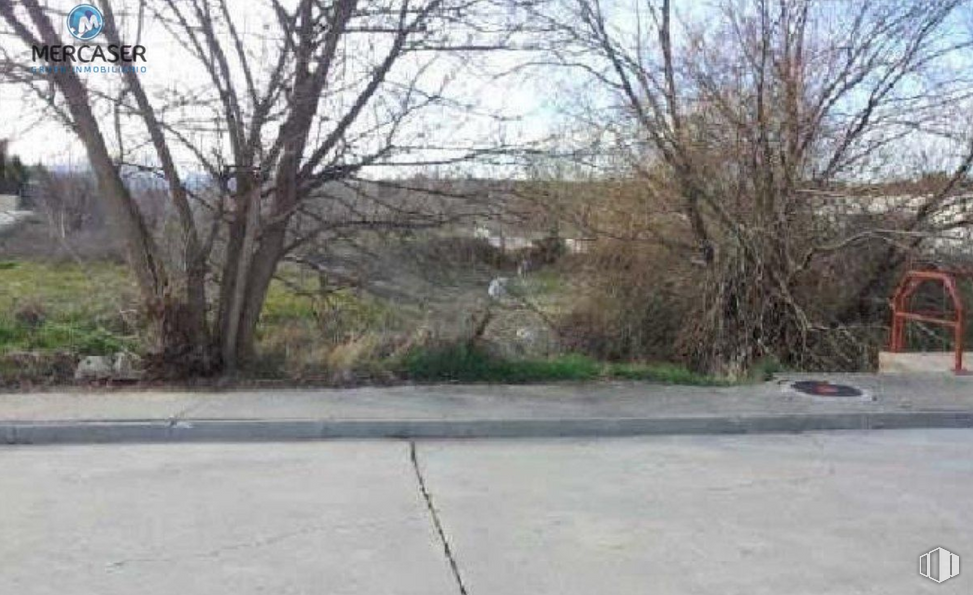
{"type": "Point", "coordinates": [237, 430]}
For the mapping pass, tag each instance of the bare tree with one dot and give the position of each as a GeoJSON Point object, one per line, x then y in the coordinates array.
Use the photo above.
{"type": "Point", "coordinates": [324, 92]}
{"type": "Point", "coordinates": [755, 118]}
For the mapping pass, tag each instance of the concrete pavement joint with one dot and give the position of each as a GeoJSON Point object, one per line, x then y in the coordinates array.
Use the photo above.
{"type": "Point", "coordinates": [427, 497]}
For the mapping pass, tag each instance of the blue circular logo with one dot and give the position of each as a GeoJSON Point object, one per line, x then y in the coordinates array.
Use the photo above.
{"type": "Point", "coordinates": [85, 22]}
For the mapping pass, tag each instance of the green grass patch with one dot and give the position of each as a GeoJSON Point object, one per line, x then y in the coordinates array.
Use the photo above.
{"type": "Point", "coordinates": [82, 337]}
{"type": "Point", "coordinates": [96, 289]}
{"type": "Point", "coordinates": [664, 373]}
{"type": "Point", "coordinates": [542, 283]}
{"type": "Point", "coordinates": [765, 369]}
{"type": "Point", "coordinates": [460, 363]}
{"type": "Point", "coordinates": [295, 300]}
{"type": "Point", "coordinates": [51, 307]}
{"type": "Point", "coordinates": [334, 317]}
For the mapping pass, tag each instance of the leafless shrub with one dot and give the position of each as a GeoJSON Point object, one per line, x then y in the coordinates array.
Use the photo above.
{"type": "Point", "coordinates": [756, 132]}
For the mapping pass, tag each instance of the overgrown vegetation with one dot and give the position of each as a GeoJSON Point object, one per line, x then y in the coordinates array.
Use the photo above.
{"type": "Point", "coordinates": [731, 186]}
{"type": "Point", "coordinates": [765, 192]}
{"type": "Point", "coordinates": [66, 307]}
{"type": "Point", "coordinates": [463, 363]}
{"type": "Point", "coordinates": [53, 313]}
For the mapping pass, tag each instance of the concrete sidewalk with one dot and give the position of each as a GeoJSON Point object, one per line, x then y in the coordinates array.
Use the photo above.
{"type": "Point", "coordinates": [467, 411]}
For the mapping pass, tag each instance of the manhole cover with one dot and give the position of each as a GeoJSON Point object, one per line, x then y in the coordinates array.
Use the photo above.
{"type": "Point", "coordinates": [822, 388]}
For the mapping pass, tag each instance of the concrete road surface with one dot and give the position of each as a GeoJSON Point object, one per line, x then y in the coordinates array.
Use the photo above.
{"type": "Point", "coordinates": [339, 518]}
{"type": "Point", "coordinates": [842, 512]}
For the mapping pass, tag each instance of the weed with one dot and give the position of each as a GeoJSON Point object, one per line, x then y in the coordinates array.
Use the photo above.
{"type": "Point", "coordinates": [64, 307]}
{"type": "Point", "coordinates": [664, 373]}
{"type": "Point", "coordinates": [461, 363]}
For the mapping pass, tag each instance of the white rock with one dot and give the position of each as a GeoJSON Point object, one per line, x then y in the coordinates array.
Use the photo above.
{"type": "Point", "coordinates": [497, 288]}
{"type": "Point", "coordinates": [94, 367]}
{"type": "Point", "coordinates": [526, 334]}
{"type": "Point", "coordinates": [126, 366]}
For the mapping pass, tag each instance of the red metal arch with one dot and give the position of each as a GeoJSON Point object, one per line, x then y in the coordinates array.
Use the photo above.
{"type": "Point", "coordinates": [901, 314]}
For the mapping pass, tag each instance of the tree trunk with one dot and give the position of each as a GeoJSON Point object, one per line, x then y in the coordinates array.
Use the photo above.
{"type": "Point", "coordinates": [237, 275]}
{"type": "Point", "coordinates": [262, 269]}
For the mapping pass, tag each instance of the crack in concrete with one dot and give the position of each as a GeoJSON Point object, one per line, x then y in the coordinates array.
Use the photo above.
{"type": "Point", "coordinates": [197, 403]}
{"type": "Point", "coordinates": [823, 471]}
{"type": "Point", "coordinates": [437, 523]}
{"type": "Point", "coordinates": [220, 550]}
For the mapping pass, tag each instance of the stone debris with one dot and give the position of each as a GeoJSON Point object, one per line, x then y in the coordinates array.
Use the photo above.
{"type": "Point", "coordinates": [120, 366]}
{"type": "Point", "coordinates": [497, 288]}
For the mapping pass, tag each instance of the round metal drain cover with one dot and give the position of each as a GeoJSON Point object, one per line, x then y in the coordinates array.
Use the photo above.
{"type": "Point", "coordinates": [823, 388]}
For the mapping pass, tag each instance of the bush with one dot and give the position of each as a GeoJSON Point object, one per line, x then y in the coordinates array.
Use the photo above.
{"type": "Point", "coordinates": [30, 314]}
{"type": "Point", "coordinates": [806, 299]}
{"type": "Point", "coordinates": [459, 250]}
{"type": "Point", "coordinates": [18, 369]}
{"type": "Point", "coordinates": [631, 303]}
